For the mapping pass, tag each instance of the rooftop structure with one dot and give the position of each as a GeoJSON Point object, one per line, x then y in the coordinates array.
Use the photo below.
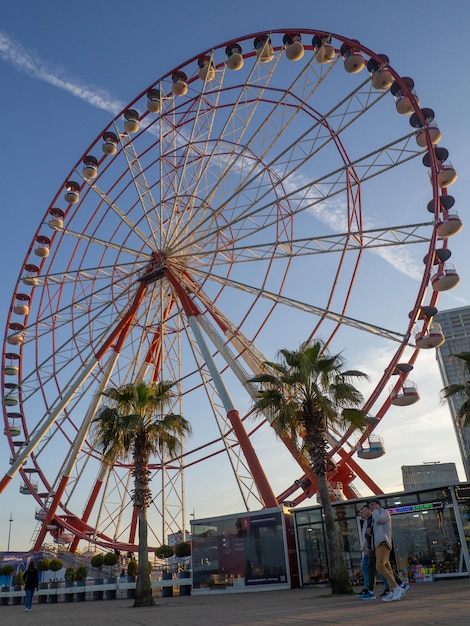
{"type": "Point", "coordinates": [429, 475]}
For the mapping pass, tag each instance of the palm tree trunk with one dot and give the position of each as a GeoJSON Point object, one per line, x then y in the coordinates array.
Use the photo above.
{"type": "Point", "coordinates": [143, 589]}
{"type": "Point", "coordinates": [339, 577]}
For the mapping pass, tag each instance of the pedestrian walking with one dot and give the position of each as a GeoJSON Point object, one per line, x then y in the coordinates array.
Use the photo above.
{"type": "Point", "coordinates": [368, 556]}
{"type": "Point", "coordinates": [31, 583]}
{"type": "Point", "coordinates": [382, 541]}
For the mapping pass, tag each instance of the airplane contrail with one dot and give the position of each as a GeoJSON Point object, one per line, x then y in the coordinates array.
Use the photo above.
{"type": "Point", "coordinates": [28, 61]}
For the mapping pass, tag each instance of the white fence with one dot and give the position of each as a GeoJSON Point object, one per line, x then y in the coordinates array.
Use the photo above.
{"type": "Point", "coordinates": [109, 590]}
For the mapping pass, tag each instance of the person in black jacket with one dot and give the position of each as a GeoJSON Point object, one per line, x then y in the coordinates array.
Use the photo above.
{"type": "Point", "coordinates": [30, 585]}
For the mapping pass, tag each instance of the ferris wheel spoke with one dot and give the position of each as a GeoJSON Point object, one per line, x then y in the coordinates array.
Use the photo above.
{"type": "Point", "coordinates": [144, 238]}
{"type": "Point", "coordinates": [311, 151]}
{"type": "Point", "coordinates": [297, 304]}
{"type": "Point", "coordinates": [309, 195]}
{"type": "Point", "coordinates": [230, 442]}
{"type": "Point", "coordinates": [335, 242]}
{"type": "Point", "coordinates": [143, 190]}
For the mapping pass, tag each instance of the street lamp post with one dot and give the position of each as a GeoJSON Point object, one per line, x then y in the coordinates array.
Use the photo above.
{"type": "Point", "coordinates": [9, 531]}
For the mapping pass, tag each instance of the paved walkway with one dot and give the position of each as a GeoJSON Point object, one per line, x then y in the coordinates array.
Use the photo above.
{"type": "Point", "coordinates": [443, 602]}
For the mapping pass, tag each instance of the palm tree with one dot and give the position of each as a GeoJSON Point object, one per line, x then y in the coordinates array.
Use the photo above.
{"type": "Point", "coordinates": [303, 394]}
{"type": "Point", "coordinates": [461, 390]}
{"type": "Point", "coordinates": [133, 428]}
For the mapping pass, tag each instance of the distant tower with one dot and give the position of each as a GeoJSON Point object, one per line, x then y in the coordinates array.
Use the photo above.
{"type": "Point", "coordinates": [455, 325]}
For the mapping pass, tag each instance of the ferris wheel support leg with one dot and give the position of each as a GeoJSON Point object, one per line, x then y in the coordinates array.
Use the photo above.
{"type": "Point", "coordinates": [261, 481]}
{"type": "Point", "coordinates": [89, 507]}
{"type": "Point", "coordinates": [77, 446]}
{"type": "Point", "coordinates": [257, 471]}
{"type": "Point", "coordinates": [367, 480]}
{"type": "Point", "coordinates": [51, 513]}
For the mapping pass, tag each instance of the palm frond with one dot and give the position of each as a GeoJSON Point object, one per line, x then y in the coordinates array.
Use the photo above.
{"type": "Point", "coordinates": [452, 390]}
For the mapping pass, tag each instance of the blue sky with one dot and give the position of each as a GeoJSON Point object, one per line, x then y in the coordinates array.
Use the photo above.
{"type": "Point", "coordinates": [65, 73]}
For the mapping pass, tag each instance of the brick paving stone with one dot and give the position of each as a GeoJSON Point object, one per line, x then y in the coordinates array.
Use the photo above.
{"type": "Point", "coordinates": [442, 602]}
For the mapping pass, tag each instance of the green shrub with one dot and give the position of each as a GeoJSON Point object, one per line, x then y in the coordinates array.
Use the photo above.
{"type": "Point", "coordinates": [132, 568]}
{"type": "Point", "coordinates": [164, 551]}
{"type": "Point", "coordinates": [18, 579]}
{"type": "Point", "coordinates": [183, 548]}
{"type": "Point", "coordinates": [97, 561]}
{"type": "Point", "coordinates": [81, 572]}
{"type": "Point", "coordinates": [55, 565]}
{"type": "Point", "coordinates": [70, 573]}
{"type": "Point", "coordinates": [110, 558]}
{"type": "Point", "coordinates": [8, 570]}
{"type": "Point", "coordinates": [43, 565]}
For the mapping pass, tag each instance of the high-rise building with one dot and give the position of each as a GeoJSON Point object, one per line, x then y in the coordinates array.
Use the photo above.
{"type": "Point", "coordinates": [455, 325]}
{"type": "Point", "coordinates": [429, 475]}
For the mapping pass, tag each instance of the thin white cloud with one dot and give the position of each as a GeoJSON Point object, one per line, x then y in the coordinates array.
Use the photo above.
{"type": "Point", "coordinates": [29, 62]}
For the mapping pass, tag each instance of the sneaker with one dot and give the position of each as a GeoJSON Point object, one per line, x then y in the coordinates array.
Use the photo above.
{"type": "Point", "coordinates": [363, 592]}
{"type": "Point", "coordinates": [398, 593]}
{"type": "Point", "coordinates": [405, 586]}
{"type": "Point", "coordinates": [388, 597]}
{"type": "Point", "coordinates": [370, 595]}
{"type": "Point", "coordinates": [384, 593]}
{"type": "Point", "coordinates": [26, 609]}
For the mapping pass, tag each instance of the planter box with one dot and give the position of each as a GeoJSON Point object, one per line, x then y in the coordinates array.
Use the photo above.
{"type": "Point", "coordinates": [185, 590]}
{"type": "Point", "coordinates": [80, 596]}
{"type": "Point", "coordinates": [167, 592]}
{"type": "Point", "coordinates": [69, 597]}
{"type": "Point", "coordinates": [98, 595]}
{"type": "Point", "coordinates": [52, 598]}
{"type": "Point", "coordinates": [17, 600]}
{"type": "Point", "coordinates": [4, 601]}
{"type": "Point", "coordinates": [42, 599]}
{"type": "Point", "coordinates": [131, 592]}
{"type": "Point", "coordinates": [111, 593]}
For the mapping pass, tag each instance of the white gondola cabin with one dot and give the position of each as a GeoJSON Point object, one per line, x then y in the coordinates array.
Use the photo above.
{"type": "Point", "coordinates": [264, 49]}
{"type": "Point", "coordinates": [405, 394]}
{"type": "Point", "coordinates": [21, 306]}
{"type": "Point", "coordinates": [382, 77]}
{"type": "Point", "coordinates": [445, 277]}
{"type": "Point", "coordinates": [432, 337]}
{"type": "Point", "coordinates": [131, 121]}
{"type": "Point", "coordinates": [31, 277]}
{"type": "Point", "coordinates": [372, 448]}
{"type": "Point", "coordinates": [42, 248]}
{"type": "Point", "coordinates": [11, 367]}
{"type": "Point", "coordinates": [425, 127]}
{"type": "Point", "coordinates": [16, 336]}
{"type": "Point", "coordinates": [353, 60]}
{"type": "Point", "coordinates": [404, 95]}
{"type": "Point", "coordinates": [234, 56]}
{"type": "Point", "coordinates": [180, 84]}
{"type": "Point", "coordinates": [324, 51]}
{"type": "Point", "coordinates": [293, 45]}
{"type": "Point", "coordinates": [90, 167]}
{"type": "Point", "coordinates": [72, 192]}
{"type": "Point", "coordinates": [206, 68]}
{"type": "Point", "coordinates": [56, 221]}
{"type": "Point", "coordinates": [110, 142]}
{"type": "Point", "coordinates": [154, 100]}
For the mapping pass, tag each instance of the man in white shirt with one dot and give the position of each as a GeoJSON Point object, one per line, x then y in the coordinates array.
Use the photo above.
{"type": "Point", "coordinates": [382, 538]}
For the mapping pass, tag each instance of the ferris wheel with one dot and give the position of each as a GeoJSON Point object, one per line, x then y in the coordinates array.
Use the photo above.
{"type": "Point", "coordinates": [263, 193]}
